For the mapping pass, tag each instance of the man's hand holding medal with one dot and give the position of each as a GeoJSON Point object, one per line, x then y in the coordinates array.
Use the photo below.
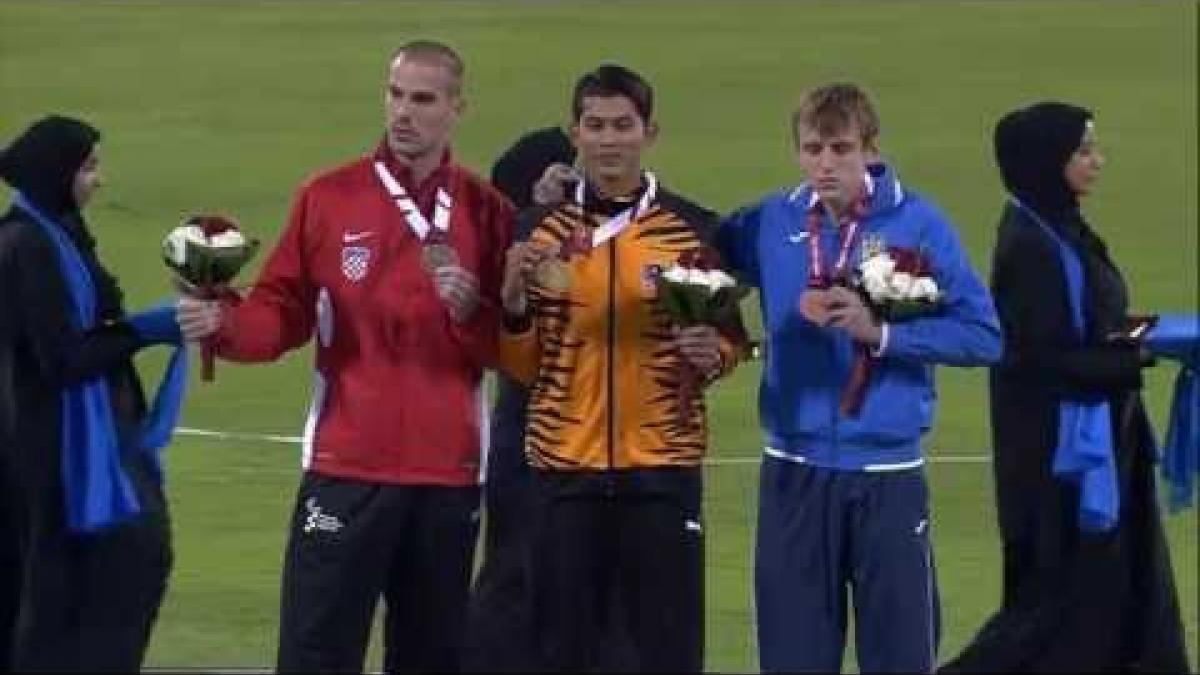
{"type": "Point", "coordinates": [457, 288]}
{"type": "Point", "coordinates": [540, 264]}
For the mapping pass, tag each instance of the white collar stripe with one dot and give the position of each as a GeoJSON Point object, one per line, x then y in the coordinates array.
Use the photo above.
{"type": "Point", "coordinates": [619, 222]}
{"type": "Point", "coordinates": [417, 221]}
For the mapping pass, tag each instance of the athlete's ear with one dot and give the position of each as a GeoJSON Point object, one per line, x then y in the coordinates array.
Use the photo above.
{"type": "Point", "coordinates": [871, 148]}
{"type": "Point", "coordinates": [651, 132]}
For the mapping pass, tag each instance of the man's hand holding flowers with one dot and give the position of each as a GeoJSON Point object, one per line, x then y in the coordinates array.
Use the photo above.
{"type": "Point", "coordinates": [205, 253]}
{"type": "Point", "coordinates": [846, 310]}
{"type": "Point", "coordinates": [890, 285]}
{"type": "Point", "coordinates": [700, 346]}
{"type": "Point", "coordinates": [697, 295]}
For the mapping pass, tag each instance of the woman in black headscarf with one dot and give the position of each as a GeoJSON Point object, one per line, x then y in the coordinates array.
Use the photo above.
{"type": "Point", "coordinates": [77, 461]}
{"type": "Point", "coordinates": [1088, 584]}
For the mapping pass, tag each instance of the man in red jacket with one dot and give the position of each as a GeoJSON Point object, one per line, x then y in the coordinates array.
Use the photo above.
{"type": "Point", "coordinates": [394, 261]}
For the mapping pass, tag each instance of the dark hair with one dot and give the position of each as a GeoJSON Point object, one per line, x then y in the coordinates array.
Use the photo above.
{"type": "Point", "coordinates": [836, 107]}
{"type": "Point", "coordinates": [612, 80]}
{"type": "Point", "coordinates": [432, 51]}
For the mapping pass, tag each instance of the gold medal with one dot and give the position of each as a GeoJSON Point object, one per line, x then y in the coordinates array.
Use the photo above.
{"type": "Point", "coordinates": [553, 274]}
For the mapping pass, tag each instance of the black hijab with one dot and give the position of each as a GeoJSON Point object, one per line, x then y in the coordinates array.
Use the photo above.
{"type": "Point", "coordinates": [520, 167]}
{"type": "Point", "coordinates": [1033, 146]}
{"type": "Point", "coordinates": [42, 164]}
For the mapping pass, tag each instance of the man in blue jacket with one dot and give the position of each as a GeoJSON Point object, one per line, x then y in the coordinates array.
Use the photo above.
{"type": "Point", "coordinates": [843, 502]}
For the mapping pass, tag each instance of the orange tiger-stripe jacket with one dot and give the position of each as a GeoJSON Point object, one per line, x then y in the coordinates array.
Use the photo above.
{"type": "Point", "coordinates": [599, 359]}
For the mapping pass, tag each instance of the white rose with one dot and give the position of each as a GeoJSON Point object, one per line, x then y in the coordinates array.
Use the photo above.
{"type": "Point", "coordinates": [923, 289]}
{"type": "Point", "coordinates": [900, 284]}
{"type": "Point", "coordinates": [175, 245]}
{"type": "Point", "coordinates": [227, 239]}
{"type": "Point", "coordinates": [718, 279]}
{"type": "Point", "coordinates": [880, 265]}
{"type": "Point", "coordinates": [877, 287]}
{"type": "Point", "coordinates": [875, 278]}
{"type": "Point", "coordinates": [675, 274]}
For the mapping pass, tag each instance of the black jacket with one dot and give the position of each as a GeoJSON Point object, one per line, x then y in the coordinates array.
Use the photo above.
{"type": "Point", "coordinates": [41, 352]}
{"type": "Point", "coordinates": [1044, 362]}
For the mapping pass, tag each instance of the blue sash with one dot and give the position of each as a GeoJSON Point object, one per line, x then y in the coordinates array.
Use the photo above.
{"type": "Point", "coordinates": [1177, 337]}
{"type": "Point", "coordinates": [1085, 443]}
{"type": "Point", "coordinates": [98, 492]}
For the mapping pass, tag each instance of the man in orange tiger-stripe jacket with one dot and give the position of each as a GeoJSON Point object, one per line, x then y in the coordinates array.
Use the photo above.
{"type": "Point", "coordinates": [616, 449]}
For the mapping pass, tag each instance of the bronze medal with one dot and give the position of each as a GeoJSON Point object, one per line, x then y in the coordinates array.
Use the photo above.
{"type": "Point", "coordinates": [437, 256]}
{"type": "Point", "coordinates": [814, 306]}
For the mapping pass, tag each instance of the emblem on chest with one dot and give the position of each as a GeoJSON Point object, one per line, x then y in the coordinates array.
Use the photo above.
{"type": "Point", "coordinates": [356, 261]}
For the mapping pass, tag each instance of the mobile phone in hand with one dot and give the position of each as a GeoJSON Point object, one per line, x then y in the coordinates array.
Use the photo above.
{"type": "Point", "coordinates": [1133, 330]}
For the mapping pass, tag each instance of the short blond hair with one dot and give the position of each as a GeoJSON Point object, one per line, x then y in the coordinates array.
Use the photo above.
{"type": "Point", "coordinates": [833, 108]}
{"type": "Point", "coordinates": [434, 52]}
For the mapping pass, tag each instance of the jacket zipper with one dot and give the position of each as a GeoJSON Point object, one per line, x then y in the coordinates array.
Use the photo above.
{"type": "Point", "coordinates": [612, 340]}
{"type": "Point", "coordinates": [835, 400]}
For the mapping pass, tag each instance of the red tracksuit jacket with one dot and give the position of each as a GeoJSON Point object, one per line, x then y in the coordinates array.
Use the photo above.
{"type": "Point", "coordinates": [397, 393]}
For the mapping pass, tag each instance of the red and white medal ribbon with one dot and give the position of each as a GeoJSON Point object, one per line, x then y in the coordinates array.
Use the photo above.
{"type": "Point", "coordinates": [847, 230]}
{"type": "Point", "coordinates": [417, 221]}
{"type": "Point", "coordinates": [817, 277]}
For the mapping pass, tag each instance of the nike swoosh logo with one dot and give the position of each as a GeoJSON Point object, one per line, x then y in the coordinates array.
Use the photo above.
{"type": "Point", "coordinates": [355, 236]}
{"type": "Point", "coordinates": [797, 237]}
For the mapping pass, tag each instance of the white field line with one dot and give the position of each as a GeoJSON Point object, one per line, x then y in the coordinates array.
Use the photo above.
{"type": "Point", "coordinates": [714, 461]}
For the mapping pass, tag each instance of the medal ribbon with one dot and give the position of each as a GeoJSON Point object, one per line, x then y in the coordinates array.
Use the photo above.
{"type": "Point", "coordinates": [847, 230]}
{"type": "Point", "coordinates": [619, 222]}
{"type": "Point", "coordinates": [417, 221]}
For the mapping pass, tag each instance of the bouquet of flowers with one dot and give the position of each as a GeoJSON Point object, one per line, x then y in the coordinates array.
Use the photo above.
{"type": "Point", "coordinates": [695, 291]}
{"type": "Point", "coordinates": [898, 284]}
{"type": "Point", "coordinates": [206, 252]}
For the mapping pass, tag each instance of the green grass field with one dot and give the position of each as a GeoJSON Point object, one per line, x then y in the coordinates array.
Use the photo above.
{"type": "Point", "coordinates": [228, 105]}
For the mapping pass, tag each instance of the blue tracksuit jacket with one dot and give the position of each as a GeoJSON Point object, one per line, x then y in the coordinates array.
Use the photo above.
{"type": "Point", "coordinates": [807, 366]}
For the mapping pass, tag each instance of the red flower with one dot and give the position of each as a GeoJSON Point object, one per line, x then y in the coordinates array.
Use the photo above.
{"type": "Point", "coordinates": [211, 224]}
{"type": "Point", "coordinates": [703, 258]}
{"type": "Point", "coordinates": [910, 261]}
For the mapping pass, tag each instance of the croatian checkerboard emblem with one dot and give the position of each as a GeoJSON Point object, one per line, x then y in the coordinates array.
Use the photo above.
{"type": "Point", "coordinates": [355, 261]}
